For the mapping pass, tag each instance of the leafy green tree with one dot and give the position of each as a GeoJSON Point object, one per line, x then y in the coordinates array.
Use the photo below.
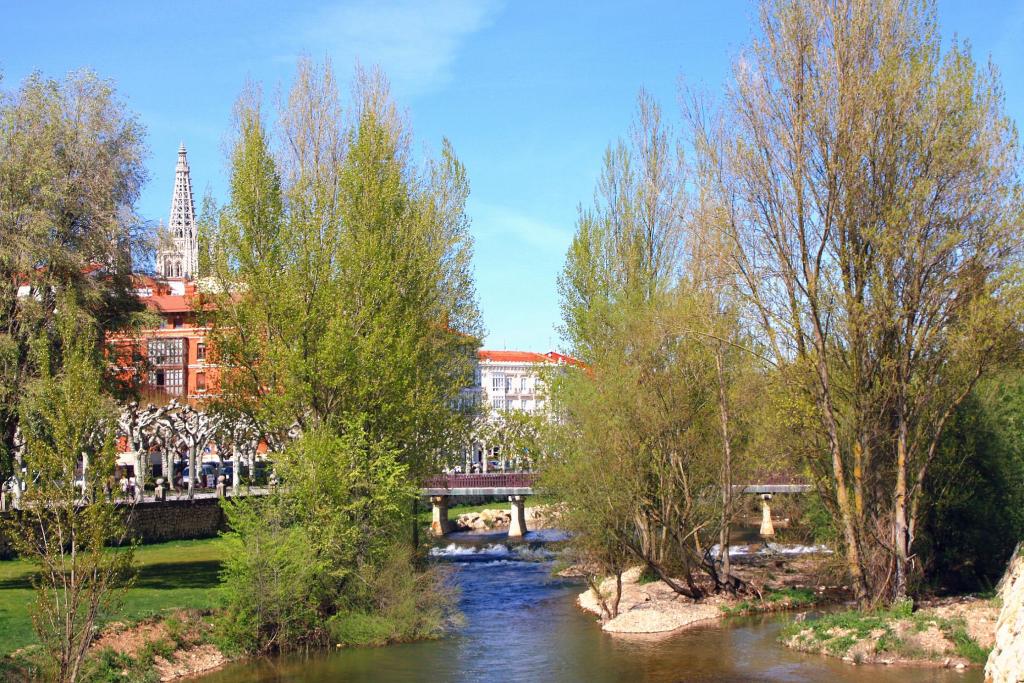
{"type": "Point", "coordinates": [344, 314]}
{"type": "Point", "coordinates": [519, 436]}
{"type": "Point", "coordinates": [973, 509]}
{"type": "Point", "coordinates": [867, 184]}
{"type": "Point", "coordinates": [648, 429]}
{"type": "Point", "coordinates": [67, 518]}
{"type": "Point", "coordinates": [71, 162]}
{"type": "Point", "coordinates": [344, 271]}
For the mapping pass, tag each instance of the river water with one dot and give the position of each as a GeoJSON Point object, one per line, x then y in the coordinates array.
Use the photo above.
{"type": "Point", "coordinates": [522, 624]}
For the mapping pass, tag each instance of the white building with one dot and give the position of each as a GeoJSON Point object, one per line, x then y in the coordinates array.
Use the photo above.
{"type": "Point", "coordinates": [509, 381]}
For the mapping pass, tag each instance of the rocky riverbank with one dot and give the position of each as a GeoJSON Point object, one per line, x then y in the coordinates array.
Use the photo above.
{"type": "Point", "coordinates": [163, 648]}
{"type": "Point", "coordinates": [954, 632]}
{"type": "Point", "coordinates": [651, 606]}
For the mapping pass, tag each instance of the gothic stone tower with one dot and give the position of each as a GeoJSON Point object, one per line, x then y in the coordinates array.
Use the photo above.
{"type": "Point", "coordinates": [178, 255]}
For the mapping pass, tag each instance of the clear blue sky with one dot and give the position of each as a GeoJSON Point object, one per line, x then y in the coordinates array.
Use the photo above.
{"type": "Point", "coordinates": [529, 92]}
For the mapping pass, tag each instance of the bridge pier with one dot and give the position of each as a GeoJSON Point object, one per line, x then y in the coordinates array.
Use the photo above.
{"type": "Point", "coordinates": [767, 528]}
{"type": "Point", "coordinates": [517, 524]}
{"type": "Point", "coordinates": [439, 522]}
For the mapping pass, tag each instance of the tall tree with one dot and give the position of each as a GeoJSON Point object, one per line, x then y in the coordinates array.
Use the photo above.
{"type": "Point", "coordinates": [70, 173]}
{"type": "Point", "coordinates": [344, 245]}
{"type": "Point", "coordinates": [869, 185]}
{"type": "Point", "coordinates": [344, 306]}
{"type": "Point", "coordinates": [66, 518]}
{"type": "Point", "coordinates": [650, 411]}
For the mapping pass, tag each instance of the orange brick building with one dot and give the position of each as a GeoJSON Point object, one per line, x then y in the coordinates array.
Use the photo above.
{"type": "Point", "coordinates": [172, 360]}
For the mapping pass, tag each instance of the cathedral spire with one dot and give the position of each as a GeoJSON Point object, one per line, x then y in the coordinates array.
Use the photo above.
{"type": "Point", "coordinates": [178, 255]}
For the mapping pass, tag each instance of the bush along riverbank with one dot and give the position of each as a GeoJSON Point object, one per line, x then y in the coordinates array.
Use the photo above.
{"type": "Point", "coordinates": [182, 643]}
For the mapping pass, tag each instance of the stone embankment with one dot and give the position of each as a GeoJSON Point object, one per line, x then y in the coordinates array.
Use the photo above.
{"type": "Point", "coordinates": [537, 517]}
{"type": "Point", "coordinates": [1006, 662]}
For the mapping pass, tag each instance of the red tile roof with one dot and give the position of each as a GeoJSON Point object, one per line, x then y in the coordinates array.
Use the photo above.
{"type": "Point", "coordinates": [143, 280]}
{"type": "Point", "coordinates": [169, 303]}
{"type": "Point", "coordinates": [511, 356]}
{"type": "Point", "coordinates": [556, 357]}
{"type": "Point", "coordinates": [526, 357]}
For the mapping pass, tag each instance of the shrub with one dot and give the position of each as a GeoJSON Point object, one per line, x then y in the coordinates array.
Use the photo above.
{"type": "Point", "coordinates": [271, 584]}
{"type": "Point", "coordinates": [360, 628]}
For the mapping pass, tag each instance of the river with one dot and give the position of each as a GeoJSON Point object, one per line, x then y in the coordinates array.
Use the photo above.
{"type": "Point", "coordinates": [521, 624]}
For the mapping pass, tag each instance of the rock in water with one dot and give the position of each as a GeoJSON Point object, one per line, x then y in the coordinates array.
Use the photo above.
{"type": "Point", "coordinates": [1006, 662]}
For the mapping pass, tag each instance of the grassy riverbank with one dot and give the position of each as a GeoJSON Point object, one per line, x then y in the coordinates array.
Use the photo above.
{"type": "Point", "coordinates": [959, 633]}
{"type": "Point", "coordinates": [174, 575]}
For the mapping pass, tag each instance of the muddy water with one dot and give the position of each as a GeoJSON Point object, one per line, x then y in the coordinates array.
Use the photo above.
{"type": "Point", "coordinates": [522, 625]}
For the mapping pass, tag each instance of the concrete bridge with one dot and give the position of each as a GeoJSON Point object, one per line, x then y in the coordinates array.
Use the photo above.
{"type": "Point", "coordinates": [765, 493]}
{"type": "Point", "coordinates": [518, 485]}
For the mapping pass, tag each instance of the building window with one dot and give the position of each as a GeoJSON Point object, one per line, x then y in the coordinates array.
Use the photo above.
{"type": "Point", "coordinates": [166, 351]}
{"type": "Point", "coordinates": [522, 404]}
{"type": "Point", "coordinates": [498, 382]}
{"type": "Point", "coordinates": [201, 351]}
{"type": "Point", "coordinates": [176, 321]}
{"type": "Point", "coordinates": [168, 381]}
{"type": "Point", "coordinates": [200, 381]}
{"type": "Point", "coordinates": [167, 360]}
{"type": "Point", "coordinates": [499, 403]}
{"type": "Point", "coordinates": [522, 383]}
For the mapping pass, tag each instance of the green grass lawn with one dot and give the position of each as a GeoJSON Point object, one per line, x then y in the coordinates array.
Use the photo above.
{"type": "Point", "coordinates": [178, 574]}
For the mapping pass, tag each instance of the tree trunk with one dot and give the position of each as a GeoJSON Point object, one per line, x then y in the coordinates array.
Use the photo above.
{"type": "Point", "coordinates": [723, 412]}
{"type": "Point", "coordinates": [192, 473]}
{"type": "Point", "coordinates": [618, 594]}
{"type": "Point", "coordinates": [236, 463]}
{"type": "Point", "coordinates": [839, 478]}
{"type": "Point", "coordinates": [85, 476]}
{"type": "Point", "coordinates": [137, 466]}
{"type": "Point", "coordinates": [899, 529]}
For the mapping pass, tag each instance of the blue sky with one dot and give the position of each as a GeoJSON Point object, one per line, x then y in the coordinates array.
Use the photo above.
{"type": "Point", "coordinates": [529, 92]}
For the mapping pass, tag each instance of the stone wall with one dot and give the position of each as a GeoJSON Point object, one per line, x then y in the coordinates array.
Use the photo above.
{"type": "Point", "coordinates": [172, 520]}
{"type": "Point", "coordinates": [1006, 663]}
{"type": "Point", "coordinates": [176, 520]}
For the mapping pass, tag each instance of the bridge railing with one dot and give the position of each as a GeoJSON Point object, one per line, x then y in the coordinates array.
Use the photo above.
{"type": "Point", "coordinates": [481, 481]}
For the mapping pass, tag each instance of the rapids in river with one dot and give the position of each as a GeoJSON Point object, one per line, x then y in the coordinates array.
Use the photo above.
{"type": "Point", "coordinates": [522, 624]}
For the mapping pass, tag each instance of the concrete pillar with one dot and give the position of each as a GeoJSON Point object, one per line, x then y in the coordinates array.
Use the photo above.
{"type": "Point", "coordinates": [160, 493]}
{"type": "Point", "coordinates": [439, 522]}
{"type": "Point", "coordinates": [220, 486]}
{"type": "Point", "coordinates": [517, 525]}
{"type": "Point", "coordinates": [766, 516]}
